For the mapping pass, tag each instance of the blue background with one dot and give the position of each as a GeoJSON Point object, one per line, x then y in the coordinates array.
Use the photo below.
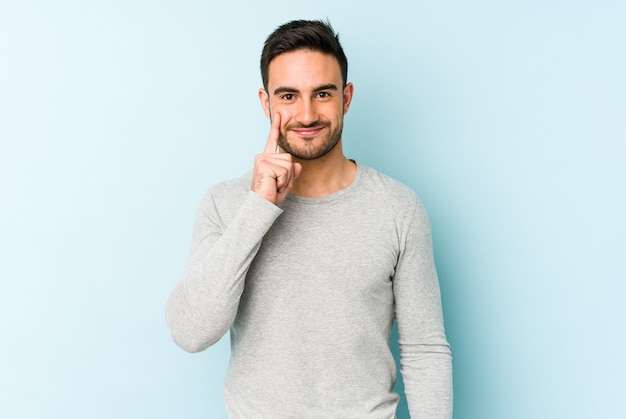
{"type": "Point", "coordinates": [507, 117]}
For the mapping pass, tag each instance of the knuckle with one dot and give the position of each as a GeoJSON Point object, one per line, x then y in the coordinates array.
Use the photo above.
{"type": "Point", "coordinates": [261, 161]}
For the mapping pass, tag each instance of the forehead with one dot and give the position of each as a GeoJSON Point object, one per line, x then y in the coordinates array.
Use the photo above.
{"type": "Point", "coordinates": [303, 68]}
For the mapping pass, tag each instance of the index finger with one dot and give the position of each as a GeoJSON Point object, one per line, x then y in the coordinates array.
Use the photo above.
{"type": "Point", "coordinates": [272, 139]}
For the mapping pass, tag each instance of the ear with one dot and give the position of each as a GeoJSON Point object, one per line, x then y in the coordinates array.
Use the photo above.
{"type": "Point", "coordinates": [348, 92]}
{"type": "Point", "coordinates": [265, 101]}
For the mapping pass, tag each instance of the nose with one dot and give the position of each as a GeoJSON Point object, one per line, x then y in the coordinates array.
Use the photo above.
{"type": "Point", "coordinates": [307, 112]}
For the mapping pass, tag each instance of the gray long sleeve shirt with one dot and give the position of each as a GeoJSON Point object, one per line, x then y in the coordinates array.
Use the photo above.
{"type": "Point", "coordinates": [309, 290]}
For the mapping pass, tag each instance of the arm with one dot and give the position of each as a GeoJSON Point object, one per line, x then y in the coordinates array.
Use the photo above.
{"type": "Point", "coordinates": [424, 351]}
{"type": "Point", "coordinates": [204, 303]}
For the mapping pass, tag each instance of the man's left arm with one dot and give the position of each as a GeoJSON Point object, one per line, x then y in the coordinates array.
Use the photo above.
{"type": "Point", "coordinates": [424, 350]}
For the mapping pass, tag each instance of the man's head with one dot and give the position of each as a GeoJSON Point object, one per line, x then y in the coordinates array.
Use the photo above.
{"type": "Point", "coordinates": [305, 85]}
{"type": "Point", "coordinates": [314, 35]}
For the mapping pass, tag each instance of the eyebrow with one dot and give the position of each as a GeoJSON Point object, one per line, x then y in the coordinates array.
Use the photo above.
{"type": "Point", "coordinates": [286, 89]}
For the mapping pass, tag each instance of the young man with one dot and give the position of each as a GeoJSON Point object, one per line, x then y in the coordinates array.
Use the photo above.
{"type": "Point", "coordinates": [308, 259]}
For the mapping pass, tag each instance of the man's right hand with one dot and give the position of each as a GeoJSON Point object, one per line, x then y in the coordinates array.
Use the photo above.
{"type": "Point", "coordinates": [274, 172]}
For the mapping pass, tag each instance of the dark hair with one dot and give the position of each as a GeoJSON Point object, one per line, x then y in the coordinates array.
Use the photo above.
{"type": "Point", "coordinates": [315, 35]}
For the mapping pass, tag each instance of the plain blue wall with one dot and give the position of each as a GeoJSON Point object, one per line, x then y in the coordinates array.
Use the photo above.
{"type": "Point", "coordinates": [508, 118]}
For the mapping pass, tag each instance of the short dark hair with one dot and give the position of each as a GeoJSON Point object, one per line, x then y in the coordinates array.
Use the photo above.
{"type": "Point", "coordinates": [314, 35]}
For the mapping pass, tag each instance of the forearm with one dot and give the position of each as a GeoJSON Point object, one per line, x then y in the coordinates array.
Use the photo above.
{"type": "Point", "coordinates": [204, 303]}
{"type": "Point", "coordinates": [427, 375]}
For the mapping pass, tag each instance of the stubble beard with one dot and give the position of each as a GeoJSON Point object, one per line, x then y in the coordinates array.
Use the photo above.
{"type": "Point", "coordinates": [306, 153]}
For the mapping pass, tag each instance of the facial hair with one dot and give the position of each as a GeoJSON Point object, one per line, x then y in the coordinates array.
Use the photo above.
{"type": "Point", "coordinates": [329, 142]}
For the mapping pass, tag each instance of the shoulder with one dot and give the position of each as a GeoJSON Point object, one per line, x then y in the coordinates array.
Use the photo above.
{"type": "Point", "coordinates": [395, 196]}
{"type": "Point", "coordinates": [386, 187]}
{"type": "Point", "coordinates": [231, 189]}
{"type": "Point", "coordinates": [226, 196]}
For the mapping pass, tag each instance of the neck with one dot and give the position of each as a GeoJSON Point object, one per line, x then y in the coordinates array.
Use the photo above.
{"type": "Point", "coordinates": [324, 176]}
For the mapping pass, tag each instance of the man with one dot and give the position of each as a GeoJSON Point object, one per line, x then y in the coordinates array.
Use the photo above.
{"type": "Point", "coordinates": [308, 259]}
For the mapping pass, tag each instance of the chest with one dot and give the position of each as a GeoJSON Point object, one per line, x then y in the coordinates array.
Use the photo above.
{"type": "Point", "coordinates": [328, 251]}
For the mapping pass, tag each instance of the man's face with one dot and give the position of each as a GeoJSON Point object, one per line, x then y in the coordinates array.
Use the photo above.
{"type": "Point", "coordinates": [306, 88]}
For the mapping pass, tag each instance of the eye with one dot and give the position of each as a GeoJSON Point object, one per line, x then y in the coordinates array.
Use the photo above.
{"type": "Point", "coordinates": [323, 95]}
{"type": "Point", "coordinates": [287, 96]}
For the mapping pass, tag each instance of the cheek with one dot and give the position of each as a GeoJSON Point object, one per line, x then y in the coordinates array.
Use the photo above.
{"type": "Point", "coordinates": [284, 123]}
{"type": "Point", "coordinates": [280, 108]}
{"type": "Point", "coordinates": [286, 116]}
{"type": "Point", "coordinates": [335, 107]}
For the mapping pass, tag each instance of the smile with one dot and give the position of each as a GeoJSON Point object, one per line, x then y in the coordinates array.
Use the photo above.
{"type": "Point", "coordinates": [308, 132]}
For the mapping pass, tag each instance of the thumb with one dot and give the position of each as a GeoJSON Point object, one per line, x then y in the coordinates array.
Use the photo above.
{"type": "Point", "coordinates": [297, 168]}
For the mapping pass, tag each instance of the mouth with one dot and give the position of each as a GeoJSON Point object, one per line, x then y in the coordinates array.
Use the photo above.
{"type": "Point", "coordinates": [308, 132]}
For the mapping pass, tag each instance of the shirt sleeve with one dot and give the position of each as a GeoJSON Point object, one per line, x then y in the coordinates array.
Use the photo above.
{"type": "Point", "coordinates": [204, 303]}
{"type": "Point", "coordinates": [425, 356]}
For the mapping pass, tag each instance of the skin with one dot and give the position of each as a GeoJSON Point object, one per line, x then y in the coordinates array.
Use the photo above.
{"type": "Point", "coordinates": [305, 102]}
